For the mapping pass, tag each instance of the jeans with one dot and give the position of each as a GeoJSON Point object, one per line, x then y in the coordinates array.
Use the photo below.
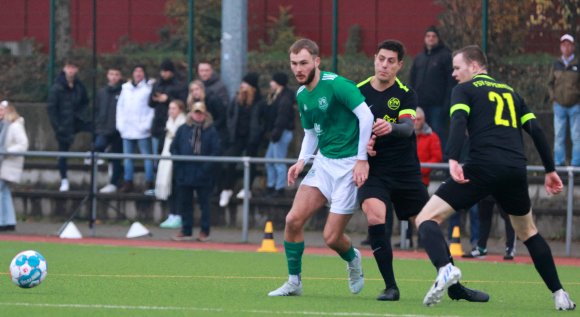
{"type": "Point", "coordinates": [186, 206]}
{"type": "Point", "coordinates": [62, 163]}
{"type": "Point", "coordinates": [563, 115]}
{"type": "Point", "coordinates": [7, 214]}
{"type": "Point", "coordinates": [145, 148]}
{"type": "Point", "coordinates": [438, 119]}
{"type": "Point", "coordinates": [276, 173]}
{"type": "Point", "coordinates": [455, 220]}
{"type": "Point", "coordinates": [103, 141]}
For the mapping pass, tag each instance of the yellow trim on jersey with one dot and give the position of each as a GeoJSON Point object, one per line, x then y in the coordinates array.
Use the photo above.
{"type": "Point", "coordinates": [401, 85]}
{"type": "Point", "coordinates": [408, 111]}
{"type": "Point", "coordinates": [459, 106]}
{"type": "Point", "coordinates": [364, 82]}
{"type": "Point", "coordinates": [527, 117]}
{"type": "Point", "coordinates": [483, 76]}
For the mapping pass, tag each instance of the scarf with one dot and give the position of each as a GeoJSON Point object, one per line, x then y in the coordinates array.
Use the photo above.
{"type": "Point", "coordinates": [196, 137]}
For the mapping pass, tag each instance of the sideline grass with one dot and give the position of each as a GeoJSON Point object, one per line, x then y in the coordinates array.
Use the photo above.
{"type": "Point", "coordinates": [88, 280]}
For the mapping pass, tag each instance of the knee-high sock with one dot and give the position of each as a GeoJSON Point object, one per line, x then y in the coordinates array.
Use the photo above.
{"type": "Point", "coordinates": [383, 252]}
{"type": "Point", "coordinates": [434, 243]}
{"type": "Point", "coordinates": [294, 252]}
{"type": "Point", "coordinates": [543, 261]}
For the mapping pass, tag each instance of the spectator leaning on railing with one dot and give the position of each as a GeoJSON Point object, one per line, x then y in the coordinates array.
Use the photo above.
{"type": "Point", "coordinates": [12, 139]}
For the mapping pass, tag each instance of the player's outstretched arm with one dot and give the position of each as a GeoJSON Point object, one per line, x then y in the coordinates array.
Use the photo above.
{"type": "Point", "coordinates": [532, 127]}
{"type": "Point", "coordinates": [553, 183]}
{"type": "Point", "coordinates": [309, 145]}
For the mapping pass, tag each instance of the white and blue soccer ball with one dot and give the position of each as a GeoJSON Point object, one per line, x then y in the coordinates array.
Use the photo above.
{"type": "Point", "coordinates": [28, 269]}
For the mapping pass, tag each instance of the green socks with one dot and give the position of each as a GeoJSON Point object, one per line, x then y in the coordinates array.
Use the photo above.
{"type": "Point", "coordinates": [348, 255]}
{"type": "Point", "coordinates": [294, 252]}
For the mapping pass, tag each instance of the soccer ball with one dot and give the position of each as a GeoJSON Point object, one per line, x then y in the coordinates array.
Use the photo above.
{"type": "Point", "coordinates": [28, 269]}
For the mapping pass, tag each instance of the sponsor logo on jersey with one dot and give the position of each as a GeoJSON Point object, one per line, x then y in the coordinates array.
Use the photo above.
{"type": "Point", "coordinates": [322, 103]}
{"type": "Point", "coordinates": [305, 108]}
{"type": "Point", "coordinates": [318, 129]}
{"type": "Point", "coordinates": [394, 103]}
{"type": "Point", "coordinates": [389, 119]}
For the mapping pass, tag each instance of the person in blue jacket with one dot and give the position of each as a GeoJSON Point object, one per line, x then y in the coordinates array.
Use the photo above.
{"type": "Point", "coordinates": [197, 136]}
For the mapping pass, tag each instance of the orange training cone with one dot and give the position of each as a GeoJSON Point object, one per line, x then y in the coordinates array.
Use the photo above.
{"type": "Point", "coordinates": [455, 245]}
{"type": "Point", "coordinates": [268, 244]}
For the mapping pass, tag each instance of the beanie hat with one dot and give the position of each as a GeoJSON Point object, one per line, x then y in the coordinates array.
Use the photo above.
{"type": "Point", "coordinates": [251, 79]}
{"type": "Point", "coordinates": [167, 65]}
{"type": "Point", "coordinates": [280, 78]}
{"type": "Point", "coordinates": [433, 29]}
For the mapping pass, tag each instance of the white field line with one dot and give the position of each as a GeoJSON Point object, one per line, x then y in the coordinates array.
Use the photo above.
{"type": "Point", "coordinates": [204, 309]}
{"type": "Point", "coordinates": [217, 277]}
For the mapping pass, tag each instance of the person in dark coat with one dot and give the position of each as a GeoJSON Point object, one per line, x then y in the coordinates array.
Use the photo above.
{"type": "Point", "coordinates": [167, 88]}
{"type": "Point", "coordinates": [106, 134]}
{"type": "Point", "coordinates": [68, 112]}
{"type": "Point", "coordinates": [214, 86]}
{"type": "Point", "coordinates": [197, 136]}
{"type": "Point", "coordinates": [279, 114]}
{"type": "Point", "coordinates": [246, 126]}
{"type": "Point", "coordinates": [431, 79]}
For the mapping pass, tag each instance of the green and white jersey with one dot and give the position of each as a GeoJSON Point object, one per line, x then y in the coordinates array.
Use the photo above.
{"type": "Point", "coordinates": [328, 110]}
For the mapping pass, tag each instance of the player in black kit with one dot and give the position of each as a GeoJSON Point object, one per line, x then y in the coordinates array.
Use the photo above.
{"type": "Point", "coordinates": [494, 116]}
{"type": "Point", "coordinates": [394, 174]}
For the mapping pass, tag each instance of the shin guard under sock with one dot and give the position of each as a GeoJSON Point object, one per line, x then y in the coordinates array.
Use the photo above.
{"type": "Point", "coordinates": [543, 261]}
{"type": "Point", "coordinates": [383, 253]}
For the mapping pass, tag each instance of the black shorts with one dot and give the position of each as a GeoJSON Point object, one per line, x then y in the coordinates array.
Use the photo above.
{"type": "Point", "coordinates": [407, 197]}
{"type": "Point", "coordinates": [508, 185]}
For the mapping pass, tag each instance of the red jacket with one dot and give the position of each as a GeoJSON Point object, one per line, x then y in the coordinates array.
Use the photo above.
{"type": "Point", "coordinates": [429, 151]}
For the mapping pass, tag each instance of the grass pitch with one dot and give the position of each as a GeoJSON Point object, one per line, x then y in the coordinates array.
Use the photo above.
{"type": "Point", "coordinates": [89, 280]}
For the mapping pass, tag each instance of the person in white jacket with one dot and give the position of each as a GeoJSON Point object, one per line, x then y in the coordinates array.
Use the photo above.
{"type": "Point", "coordinates": [165, 188]}
{"type": "Point", "coordinates": [12, 139]}
{"type": "Point", "coordinates": [134, 119]}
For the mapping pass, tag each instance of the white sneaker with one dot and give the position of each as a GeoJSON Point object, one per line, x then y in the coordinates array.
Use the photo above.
{"type": "Point", "coordinates": [447, 276]}
{"type": "Point", "coordinates": [242, 194]}
{"type": "Point", "coordinates": [563, 301]}
{"type": "Point", "coordinates": [356, 279]}
{"type": "Point", "coordinates": [225, 196]}
{"type": "Point", "coordinates": [288, 289]}
{"type": "Point", "coordinates": [172, 222]}
{"type": "Point", "coordinates": [108, 189]}
{"type": "Point", "coordinates": [64, 185]}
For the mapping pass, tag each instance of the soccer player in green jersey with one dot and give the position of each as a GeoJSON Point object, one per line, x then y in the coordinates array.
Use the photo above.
{"type": "Point", "coordinates": [337, 120]}
{"type": "Point", "coordinates": [494, 116]}
{"type": "Point", "coordinates": [395, 173]}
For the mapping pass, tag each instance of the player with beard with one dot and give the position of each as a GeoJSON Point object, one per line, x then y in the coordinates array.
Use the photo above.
{"type": "Point", "coordinates": [395, 172]}
{"type": "Point", "coordinates": [335, 118]}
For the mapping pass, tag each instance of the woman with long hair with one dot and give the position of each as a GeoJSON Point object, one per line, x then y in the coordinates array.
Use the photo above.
{"type": "Point", "coordinates": [12, 139]}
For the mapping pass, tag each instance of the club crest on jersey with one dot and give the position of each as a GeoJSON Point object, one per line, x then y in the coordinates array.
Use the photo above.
{"type": "Point", "coordinates": [322, 103]}
{"type": "Point", "coordinates": [394, 103]}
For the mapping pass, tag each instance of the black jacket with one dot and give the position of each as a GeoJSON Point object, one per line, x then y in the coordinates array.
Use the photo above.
{"type": "Point", "coordinates": [279, 114]}
{"type": "Point", "coordinates": [257, 121]}
{"type": "Point", "coordinates": [68, 109]}
{"type": "Point", "coordinates": [214, 86]}
{"type": "Point", "coordinates": [195, 173]}
{"type": "Point", "coordinates": [431, 76]}
{"type": "Point", "coordinates": [174, 89]}
{"type": "Point", "coordinates": [106, 109]}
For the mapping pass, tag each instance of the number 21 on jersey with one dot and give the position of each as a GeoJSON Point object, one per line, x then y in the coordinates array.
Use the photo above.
{"type": "Point", "coordinates": [500, 101]}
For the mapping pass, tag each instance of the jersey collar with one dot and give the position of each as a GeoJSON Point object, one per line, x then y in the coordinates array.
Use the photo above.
{"type": "Point", "coordinates": [485, 76]}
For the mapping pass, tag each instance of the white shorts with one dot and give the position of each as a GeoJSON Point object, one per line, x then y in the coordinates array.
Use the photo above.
{"type": "Point", "coordinates": [333, 177]}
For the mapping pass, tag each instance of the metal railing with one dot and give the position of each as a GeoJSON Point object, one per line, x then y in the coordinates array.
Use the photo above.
{"type": "Point", "coordinates": [247, 161]}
